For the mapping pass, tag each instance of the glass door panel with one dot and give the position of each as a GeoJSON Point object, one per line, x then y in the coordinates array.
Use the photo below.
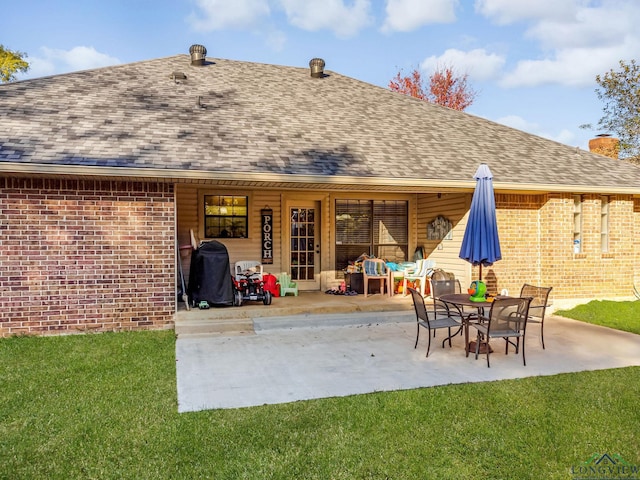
{"type": "Point", "coordinates": [303, 244]}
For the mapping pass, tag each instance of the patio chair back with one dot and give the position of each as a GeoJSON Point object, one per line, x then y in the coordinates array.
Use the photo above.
{"type": "Point", "coordinates": [375, 269]}
{"type": "Point", "coordinates": [421, 273]}
{"type": "Point", "coordinates": [252, 266]}
{"type": "Point", "coordinates": [539, 304]}
{"type": "Point", "coordinates": [287, 285]}
{"type": "Point", "coordinates": [443, 287]}
{"type": "Point", "coordinates": [507, 319]}
{"type": "Point", "coordinates": [437, 322]}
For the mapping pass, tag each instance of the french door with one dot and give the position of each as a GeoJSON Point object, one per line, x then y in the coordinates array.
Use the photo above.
{"type": "Point", "coordinates": [304, 244]}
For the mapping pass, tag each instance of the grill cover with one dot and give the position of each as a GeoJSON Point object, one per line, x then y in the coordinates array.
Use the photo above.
{"type": "Point", "coordinates": [210, 276]}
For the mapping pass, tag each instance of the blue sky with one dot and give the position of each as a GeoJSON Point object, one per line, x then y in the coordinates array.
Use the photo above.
{"type": "Point", "coordinates": [532, 62]}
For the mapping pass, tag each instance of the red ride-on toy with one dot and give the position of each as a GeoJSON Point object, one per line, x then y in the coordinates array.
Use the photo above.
{"type": "Point", "coordinates": [249, 286]}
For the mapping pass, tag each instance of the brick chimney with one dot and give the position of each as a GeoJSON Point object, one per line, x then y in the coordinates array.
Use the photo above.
{"type": "Point", "coordinates": [605, 144]}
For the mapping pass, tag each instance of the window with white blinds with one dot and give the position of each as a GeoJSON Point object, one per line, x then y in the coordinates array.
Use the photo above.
{"type": "Point", "coordinates": [577, 224]}
{"type": "Point", "coordinates": [374, 227]}
{"type": "Point", "coordinates": [604, 224]}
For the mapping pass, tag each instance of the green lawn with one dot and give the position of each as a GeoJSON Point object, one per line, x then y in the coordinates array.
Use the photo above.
{"type": "Point", "coordinates": [619, 315]}
{"type": "Point", "coordinates": [103, 406]}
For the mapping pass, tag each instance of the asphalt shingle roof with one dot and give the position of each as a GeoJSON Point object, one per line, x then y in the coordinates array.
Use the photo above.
{"type": "Point", "coordinates": [232, 116]}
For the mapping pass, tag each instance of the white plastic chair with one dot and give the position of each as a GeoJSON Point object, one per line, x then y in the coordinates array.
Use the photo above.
{"type": "Point", "coordinates": [375, 269]}
{"type": "Point", "coordinates": [244, 266]}
{"type": "Point", "coordinates": [422, 272]}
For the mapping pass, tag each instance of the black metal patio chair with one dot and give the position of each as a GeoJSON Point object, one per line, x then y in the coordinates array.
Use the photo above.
{"type": "Point", "coordinates": [538, 306]}
{"type": "Point", "coordinates": [438, 321]}
{"type": "Point", "coordinates": [507, 319]}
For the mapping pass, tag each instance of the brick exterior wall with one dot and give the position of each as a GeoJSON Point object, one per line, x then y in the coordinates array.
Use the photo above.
{"type": "Point", "coordinates": [536, 237]}
{"type": "Point", "coordinates": [79, 256]}
{"type": "Point", "coordinates": [518, 219]}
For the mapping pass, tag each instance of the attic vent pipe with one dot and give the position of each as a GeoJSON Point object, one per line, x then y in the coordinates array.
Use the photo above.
{"type": "Point", "coordinates": [197, 53]}
{"type": "Point", "coordinates": [317, 67]}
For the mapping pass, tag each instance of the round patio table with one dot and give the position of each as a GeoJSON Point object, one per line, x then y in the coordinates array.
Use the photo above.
{"type": "Point", "coordinates": [463, 300]}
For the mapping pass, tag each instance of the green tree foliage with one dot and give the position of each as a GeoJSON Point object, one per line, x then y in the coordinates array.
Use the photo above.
{"type": "Point", "coordinates": [11, 62]}
{"type": "Point", "coordinates": [620, 91]}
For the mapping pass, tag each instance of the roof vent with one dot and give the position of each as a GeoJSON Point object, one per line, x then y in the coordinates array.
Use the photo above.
{"type": "Point", "coordinates": [317, 67]}
{"type": "Point", "coordinates": [197, 53]}
{"type": "Point", "coordinates": [178, 76]}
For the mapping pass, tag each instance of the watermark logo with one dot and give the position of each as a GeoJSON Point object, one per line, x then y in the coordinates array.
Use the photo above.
{"type": "Point", "coordinates": [605, 466]}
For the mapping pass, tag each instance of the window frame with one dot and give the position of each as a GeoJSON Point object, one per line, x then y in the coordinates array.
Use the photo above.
{"type": "Point", "coordinates": [605, 219]}
{"type": "Point", "coordinates": [578, 244]}
{"type": "Point", "coordinates": [231, 217]}
{"type": "Point", "coordinates": [368, 208]}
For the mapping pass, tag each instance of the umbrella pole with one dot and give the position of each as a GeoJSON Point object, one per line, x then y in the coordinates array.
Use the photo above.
{"type": "Point", "coordinates": [480, 273]}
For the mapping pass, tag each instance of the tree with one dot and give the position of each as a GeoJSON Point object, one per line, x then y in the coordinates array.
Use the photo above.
{"type": "Point", "coordinates": [11, 62]}
{"type": "Point", "coordinates": [410, 85]}
{"type": "Point", "coordinates": [620, 90]}
{"type": "Point", "coordinates": [445, 88]}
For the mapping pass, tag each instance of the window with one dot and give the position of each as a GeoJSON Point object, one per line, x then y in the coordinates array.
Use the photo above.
{"type": "Point", "coordinates": [577, 224]}
{"type": "Point", "coordinates": [375, 227]}
{"type": "Point", "coordinates": [604, 224]}
{"type": "Point", "coordinates": [225, 216]}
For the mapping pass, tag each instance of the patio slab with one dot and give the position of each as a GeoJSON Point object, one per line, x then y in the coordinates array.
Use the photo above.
{"type": "Point", "coordinates": [285, 362]}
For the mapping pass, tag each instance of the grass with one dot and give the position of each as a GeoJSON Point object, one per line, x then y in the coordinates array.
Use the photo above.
{"type": "Point", "coordinates": [619, 315]}
{"type": "Point", "coordinates": [104, 406]}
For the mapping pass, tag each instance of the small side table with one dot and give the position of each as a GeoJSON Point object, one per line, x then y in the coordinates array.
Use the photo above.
{"type": "Point", "coordinates": [395, 276]}
{"type": "Point", "coordinates": [354, 281]}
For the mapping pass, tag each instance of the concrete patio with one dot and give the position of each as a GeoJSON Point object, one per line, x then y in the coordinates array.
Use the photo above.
{"type": "Point", "coordinates": [310, 354]}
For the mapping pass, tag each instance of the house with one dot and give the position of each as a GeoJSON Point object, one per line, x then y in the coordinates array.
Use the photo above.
{"type": "Point", "coordinates": [103, 173]}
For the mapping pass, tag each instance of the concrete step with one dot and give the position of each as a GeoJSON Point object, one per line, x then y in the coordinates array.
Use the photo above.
{"type": "Point", "coordinates": [232, 326]}
{"type": "Point", "coordinates": [262, 324]}
{"type": "Point", "coordinates": [305, 311]}
{"type": "Point", "coordinates": [265, 324]}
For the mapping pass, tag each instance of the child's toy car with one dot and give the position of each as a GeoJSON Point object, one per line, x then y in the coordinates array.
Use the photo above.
{"type": "Point", "coordinates": [249, 286]}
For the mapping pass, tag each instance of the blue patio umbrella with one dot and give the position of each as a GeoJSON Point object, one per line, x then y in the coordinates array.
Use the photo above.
{"type": "Point", "coordinates": [480, 243]}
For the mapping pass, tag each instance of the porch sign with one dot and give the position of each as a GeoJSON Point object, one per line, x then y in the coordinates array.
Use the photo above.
{"type": "Point", "coordinates": [267, 239]}
{"type": "Point", "coordinates": [440, 228]}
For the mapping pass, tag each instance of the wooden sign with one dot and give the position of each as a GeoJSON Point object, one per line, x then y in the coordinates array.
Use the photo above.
{"type": "Point", "coordinates": [440, 228]}
{"type": "Point", "coordinates": [266, 215]}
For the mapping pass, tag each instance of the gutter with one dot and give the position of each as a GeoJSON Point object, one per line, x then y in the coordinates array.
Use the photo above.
{"type": "Point", "coordinates": [206, 176]}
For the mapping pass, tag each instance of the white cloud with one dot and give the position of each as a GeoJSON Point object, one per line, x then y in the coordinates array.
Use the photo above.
{"type": "Point", "coordinates": [514, 121]}
{"type": "Point", "coordinates": [575, 67]}
{"type": "Point", "coordinates": [591, 27]}
{"type": "Point", "coordinates": [408, 15]}
{"type": "Point", "coordinates": [81, 58]}
{"type": "Point", "coordinates": [343, 20]}
{"type": "Point", "coordinates": [312, 15]}
{"type": "Point", "coordinates": [577, 45]}
{"type": "Point", "coordinates": [509, 11]}
{"type": "Point", "coordinates": [477, 63]}
{"type": "Point", "coordinates": [55, 61]}
{"type": "Point", "coordinates": [39, 67]}
{"type": "Point", "coordinates": [564, 136]}
{"type": "Point", "coordinates": [221, 14]}
{"type": "Point", "coordinates": [276, 40]}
